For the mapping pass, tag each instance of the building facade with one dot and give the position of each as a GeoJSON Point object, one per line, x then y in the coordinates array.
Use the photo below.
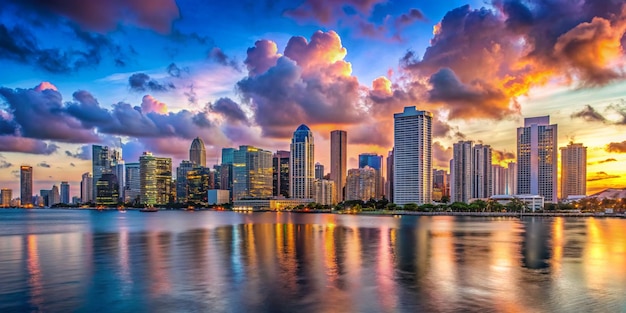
{"type": "Point", "coordinates": [181, 180]}
{"type": "Point", "coordinates": [6, 195]}
{"type": "Point", "coordinates": [537, 145]}
{"type": "Point", "coordinates": [462, 178]}
{"type": "Point", "coordinates": [338, 161]}
{"type": "Point", "coordinates": [389, 183]}
{"type": "Point", "coordinates": [132, 190]}
{"type": "Point", "coordinates": [155, 179]}
{"type": "Point", "coordinates": [199, 182]}
{"type": "Point", "coordinates": [86, 188]}
{"type": "Point", "coordinates": [482, 176]}
{"type": "Point", "coordinates": [374, 161]}
{"type": "Point", "coordinates": [301, 164]}
{"type": "Point", "coordinates": [65, 193]}
{"type": "Point", "coordinates": [361, 184]}
{"type": "Point", "coordinates": [325, 192]}
{"type": "Point", "coordinates": [319, 171]}
{"type": "Point", "coordinates": [197, 152]}
{"type": "Point", "coordinates": [252, 173]}
{"type": "Point", "coordinates": [573, 170]}
{"type": "Point", "coordinates": [26, 186]}
{"type": "Point", "coordinates": [107, 190]}
{"type": "Point", "coordinates": [280, 174]}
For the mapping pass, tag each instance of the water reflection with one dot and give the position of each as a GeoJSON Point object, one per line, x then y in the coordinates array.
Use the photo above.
{"type": "Point", "coordinates": [312, 263]}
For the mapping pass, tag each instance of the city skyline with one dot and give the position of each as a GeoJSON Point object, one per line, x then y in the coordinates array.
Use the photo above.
{"type": "Point", "coordinates": [152, 80]}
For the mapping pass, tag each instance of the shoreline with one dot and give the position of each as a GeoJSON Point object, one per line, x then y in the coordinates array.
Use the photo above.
{"type": "Point", "coordinates": [370, 213]}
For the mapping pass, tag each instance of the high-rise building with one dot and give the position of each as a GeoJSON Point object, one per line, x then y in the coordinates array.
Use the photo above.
{"type": "Point", "coordinates": [45, 195]}
{"type": "Point", "coordinates": [573, 170]}
{"type": "Point", "coordinates": [374, 161]}
{"type": "Point", "coordinates": [228, 155]}
{"type": "Point", "coordinates": [132, 190]}
{"type": "Point", "coordinates": [325, 192]}
{"type": "Point", "coordinates": [389, 191]}
{"type": "Point", "coordinates": [462, 178]}
{"type": "Point", "coordinates": [54, 196]}
{"type": "Point", "coordinates": [483, 183]}
{"type": "Point", "coordinates": [498, 176]}
{"type": "Point", "coordinates": [338, 161]}
{"type": "Point", "coordinates": [86, 188]}
{"type": "Point", "coordinates": [181, 180]}
{"type": "Point", "coordinates": [440, 185]}
{"type": "Point", "coordinates": [280, 175]}
{"type": "Point", "coordinates": [361, 184]}
{"type": "Point", "coordinates": [197, 152]}
{"type": "Point", "coordinates": [155, 179]}
{"type": "Point", "coordinates": [413, 158]}
{"type": "Point", "coordinates": [107, 190]}
{"type": "Point", "coordinates": [252, 173]}
{"type": "Point", "coordinates": [301, 167]}
{"type": "Point", "coordinates": [537, 145]}
{"type": "Point", "coordinates": [319, 170]}
{"type": "Point", "coordinates": [101, 164]}
{"type": "Point", "coordinates": [119, 169]}
{"type": "Point", "coordinates": [199, 182]}
{"type": "Point", "coordinates": [26, 186]}
{"type": "Point", "coordinates": [511, 179]}
{"type": "Point", "coordinates": [65, 193]}
{"type": "Point", "coordinates": [6, 194]}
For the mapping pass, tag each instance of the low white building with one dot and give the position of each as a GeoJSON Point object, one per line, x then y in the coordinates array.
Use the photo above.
{"type": "Point", "coordinates": [276, 204]}
{"type": "Point", "coordinates": [533, 202]}
{"type": "Point", "coordinates": [218, 196]}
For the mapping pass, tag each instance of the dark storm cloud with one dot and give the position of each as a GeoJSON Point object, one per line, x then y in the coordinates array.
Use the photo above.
{"type": "Point", "coordinates": [103, 16]}
{"type": "Point", "coordinates": [617, 147]}
{"type": "Point", "coordinates": [141, 82]}
{"type": "Point", "coordinates": [26, 145]}
{"type": "Point", "coordinates": [229, 109]}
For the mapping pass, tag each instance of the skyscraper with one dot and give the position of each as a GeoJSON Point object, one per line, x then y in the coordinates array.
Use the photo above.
{"type": "Point", "coordinates": [280, 175]}
{"type": "Point", "coordinates": [119, 169]}
{"type": "Point", "coordinates": [197, 152]}
{"type": "Point", "coordinates": [483, 183]}
{"type": "Point", "coordinates": [155, 179]}
{"type": "Point", "coordinates": [26, 185]}
{"type": "Point", "coordinates": [389, 191]}
{"type": "Point", "coordinates": [319, 170]}
{"type": "Point", "coordinates": [511, 179]}
{"type": "Point", "coordinates": [107, 190]}
{"type": "Point", "coordinates": [338, 161]}
{"type": "Point", "coordinates": [6, 194]}
{"type": "Point", "coordinates": [181, 180]}
{"type": "Point", "coordinates": [361, 184]}
{"type": "Point", "coordinates": [252, 173]}
{"type": "Point", "coordinates": [86, 188]}
{"type": "Point", "coordinates": [54, 195]}
{"type": "Point", "coordinates": [440, 185]}
{"type": "Point", "coordinates": [573, 170]}
{"type": "Point", "coordinates": [101, 164]}
{"type": "Point", "coordinates": [498, 176]}
{"type": "Point", "coordinates": [462, 178]}
{"type": "Point", "coordinates": [374, 161]}
{"type": "Point", "coordinates": [132, 190]}
{"type": "Point", "coordinates": [537, 158]}
{"type": "Point", "coordinates": [413, 166]}
{"type": "Point", "coordinates": [198, 182]}
{"type": "Point", "coordinates": [301, 169]}
{"type": "Point", "coordinates": [325, 192]}
{"type": "Point", "coordinates": [65, 193]}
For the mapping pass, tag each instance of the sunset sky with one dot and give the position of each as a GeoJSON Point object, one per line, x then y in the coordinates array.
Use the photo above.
{"type": "Point", "coordinates": [156, 74]}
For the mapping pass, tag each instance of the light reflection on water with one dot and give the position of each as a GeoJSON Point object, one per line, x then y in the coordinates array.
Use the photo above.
{"type": "Point", "coordinates": [281, 262]}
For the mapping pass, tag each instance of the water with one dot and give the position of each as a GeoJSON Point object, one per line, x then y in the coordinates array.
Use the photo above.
{"type": "Point", "coordinates": [176, 261]}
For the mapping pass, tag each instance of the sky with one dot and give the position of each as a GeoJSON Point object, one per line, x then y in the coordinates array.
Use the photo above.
{"type": "Point", "coordinates": [153, 75]}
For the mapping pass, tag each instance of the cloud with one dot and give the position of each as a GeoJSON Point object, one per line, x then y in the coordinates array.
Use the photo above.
{"type": "Point", "coordinates": [103, 16]}
{"type": "Point", "coordinates": [589, 114]}
{"type": "Point", "coordinates": [72, 165]}
{"type": "Point", "coordinates": [601, 176]}
{"type": "Point", "coordinates": [409, 18]}
{"type": "Point", "coordinates": [310, 83]}
{"type": "Point", "coordinates": [5, 164]}
{"type": "Point", "coordinates": [217, 55]}
{"type": "Point", "coordinates": [607, 160]}
{"type": "Point", "coordinates": [26, 145]}
{"type": "Point", "coordinates": [175, 71]}
{"type": "Point", "coordinates": [142, 82]}
{"type": "Point", "coordinates": [82, 153]}
{"type": "Point", "coordinates": [229, 109]}
{"type": "Point", "coordinates": [502, 156]}
{"type": "Point", "coordinates": [441, 155]}
{"type": "Point", "coordinates": [328, 12]}
{"type": "Point", "coordinates": [43, 164]}
{"type": "Point", "coordinates": [617, 147]}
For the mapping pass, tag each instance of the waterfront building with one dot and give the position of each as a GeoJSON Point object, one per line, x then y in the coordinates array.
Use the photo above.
{"type": "Point", "coordinates": [197, 152]}
{"type": "Point", "coordinates": [86, 188]}
{"type": "Point", "coordinates": [155, 179]}
{"type": "Point", "coordinates": [338, 161]}
{"type": "Point", "coordinates": [107, 188]}
{"type": "Point", "coordinates": [325, 192]}
{"type": "Point", "coordinates": [199, 182]}
{"type": "Point", "coordinates": [6, 195]}
{"type": "Point", "coordinates": [498, 176]}
{"type": "Point", "coordinates": [181, 180]}
{"type": "Point", "coordinates": [54, 196]}
{"type": "Point", "coordinates": [301, 167]}
{"type": "Point", "coordinates": [361, 184]}
{"type": "Point", "coordinates": [65, 193]}
{"type": "Point", "coordinates": [319, 171]}
{"type": "Point", "coordinates": [101, 164]}
{"type": "Point", "coordinates": [252, 173]}
{"type": "Point", "coordinates": [119, 169]}
{"type": "Point", "coordinates": [462, 176]}
{"type": "Point", "coordinates": [277, 204]}
{"type": "Point", "coordinates": [280, 174]}
{"type": "Point", "coordinates": [45, 195]}
{"type": "Point", "coordinates": [537, 158]}
{"type": "Point", "coordinates": [228, 155]}
{"type": "Point", "coordinates": [482, 180]}
{"type": "Point", "coordinates": [511, 179]}
{"type": "Point", "coordinates": [132, 190]}
{"type": "Point", "coordinates": [26, 186]}
{"type": "Point", "coordinates": [389, 185]}
{"type": "Point", "coordinates": [374, 161]}
{"type": "Point", "coordinates": [412, 157]}
{"type": "Point", "coordinates": [218, 196]}
{"type": "Point", "coordinates": [573, 170]}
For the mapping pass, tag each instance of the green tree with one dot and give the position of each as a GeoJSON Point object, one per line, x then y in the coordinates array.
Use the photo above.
{"type": "Point", "coordinates": [411, 206]}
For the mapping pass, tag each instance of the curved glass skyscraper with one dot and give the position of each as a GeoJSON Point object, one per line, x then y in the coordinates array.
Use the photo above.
{"type": "Point", "coordinates": [301, 164]}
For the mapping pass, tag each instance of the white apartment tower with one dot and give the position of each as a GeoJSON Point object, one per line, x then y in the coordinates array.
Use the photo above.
{"type": "Point", "coordinates": [301, 165]}
{"type": "Point", "coordinates": [413, 166]}
{"type": "Point", "coordinates": [573, 170]}
{"type": "Point", "coordinates": [537, 158]}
